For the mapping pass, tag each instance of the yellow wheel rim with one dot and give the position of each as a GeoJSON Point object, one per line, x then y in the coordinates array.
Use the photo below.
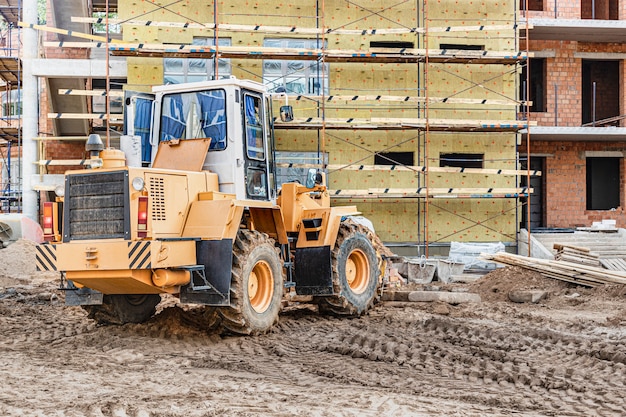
{"type": "Point", "coordinates": [357, 271]}
{"type": "Point", "coordinates": [260, 287]}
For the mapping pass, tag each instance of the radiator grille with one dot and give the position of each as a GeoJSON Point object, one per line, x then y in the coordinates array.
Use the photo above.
{"type": "Point", "coordinates": [95, 206]}
{"type": "Point", "coordinates": [157, 197]}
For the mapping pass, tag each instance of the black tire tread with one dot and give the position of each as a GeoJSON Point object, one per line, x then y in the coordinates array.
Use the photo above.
{"type": "Point", "coordinates": [116, 310]}
{"type": "Point", "coordinates": [338, 304]}
{"type": "Point", "coordinates": [234, 317]}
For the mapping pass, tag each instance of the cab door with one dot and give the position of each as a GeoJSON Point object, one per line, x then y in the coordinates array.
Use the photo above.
{"type": "Point", "coordinates": [138, 114]}
{"type": "Point", "coordinates": [256, 132]}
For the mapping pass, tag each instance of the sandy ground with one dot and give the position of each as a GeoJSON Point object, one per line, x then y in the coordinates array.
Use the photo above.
{"type": "Point", "coordinates": [565, 356]}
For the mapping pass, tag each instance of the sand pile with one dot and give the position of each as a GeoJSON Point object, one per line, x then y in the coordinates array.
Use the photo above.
{"type": "Point", "coordinates": [17, 262]}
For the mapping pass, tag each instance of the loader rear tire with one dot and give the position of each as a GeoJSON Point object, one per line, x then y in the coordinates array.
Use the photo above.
{"type": "Point", "coordinates": [256, 288]}
{"type": "Point", "coordinates": [124, 308]}
{"type": "Point", "coordinates": [355, 273]}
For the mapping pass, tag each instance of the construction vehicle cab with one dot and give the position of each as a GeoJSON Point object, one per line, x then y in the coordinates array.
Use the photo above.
{"type": "Point", "coordinates": [205, 221]}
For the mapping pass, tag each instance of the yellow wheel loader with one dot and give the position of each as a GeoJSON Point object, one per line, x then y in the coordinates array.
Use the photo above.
{"type": "Point", "coordinates": [203, 218]}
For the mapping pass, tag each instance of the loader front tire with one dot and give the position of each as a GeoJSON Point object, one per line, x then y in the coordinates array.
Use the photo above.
{"type": "Point", "coordinates": [355, 273]}
{"type": "Point", "coordinates": [124, 308]}
{"type": "Point", "coordinates": [256, 285]}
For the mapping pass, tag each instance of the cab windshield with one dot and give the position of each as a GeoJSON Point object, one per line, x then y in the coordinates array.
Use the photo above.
{"type": "Point", "coordinates": [195, 115]}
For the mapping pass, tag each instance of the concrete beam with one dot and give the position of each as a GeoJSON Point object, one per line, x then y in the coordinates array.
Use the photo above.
{"type": "Point", "coordinates": [30, 111]}
{"type": "Point", "coordinates": [80, 68]}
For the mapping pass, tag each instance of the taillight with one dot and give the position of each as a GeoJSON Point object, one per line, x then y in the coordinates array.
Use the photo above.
{"type": "Point", "coordinates": [48, 221]}
{"type": "Point", "coordinates": [142, 217]}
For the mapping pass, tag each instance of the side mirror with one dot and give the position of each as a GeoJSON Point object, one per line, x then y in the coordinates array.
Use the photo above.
{"type": "Point", "coordinates": [286, 113]}
{"type": "Point", "coordinates": [311, 176]}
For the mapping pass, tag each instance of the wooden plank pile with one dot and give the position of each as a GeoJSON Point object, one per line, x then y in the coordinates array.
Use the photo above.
{"type": "Point", "coordinates": [589, 276]}
{"type": "Point", "coordinates": [614, 264]}
{"type": "Point", "coordinates": [576, 254]}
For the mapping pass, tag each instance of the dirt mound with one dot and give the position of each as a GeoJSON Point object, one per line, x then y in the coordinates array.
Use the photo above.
{"type": "Point", "coordinates": [496, 285]}
{"type": "Point", "coordinates": [18, 260]}
{"type": "Point", "coordinates": [612, 291]}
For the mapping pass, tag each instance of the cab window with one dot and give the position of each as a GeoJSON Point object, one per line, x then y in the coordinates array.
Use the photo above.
{"type": "Point", "coordinates": [255, 141]}
{"type": "Point", "coordinates": [195, 115]}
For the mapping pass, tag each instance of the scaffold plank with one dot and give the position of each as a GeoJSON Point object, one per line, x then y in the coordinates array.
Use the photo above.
{"type": "Point", "coordinates": [423, 192]}
{"type": "Point", "coordinates": [72, 33]}
{"type": "Point", "coordinates": [414, 169]}
{"type": "Point", "coordinates": [451, 125]}
{"type": "Point", "coordinates": [62, 162]}
{"type": "Point", "coordinates": [95, 93]}
{"type": "Point", "coordinates": [380, 55]}
{"type": "Point", "coordinates": [400, 99]}
{"type": "Point", "coordinates": [101, 116]}
{"type": "Point", "coordinates": [296, 30]}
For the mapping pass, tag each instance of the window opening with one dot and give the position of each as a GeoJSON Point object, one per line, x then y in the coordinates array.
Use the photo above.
{"type": "Point", "coordinates": [100, 26]}
{"type": "Point", "coordinates": [461, 160]}
{"type": "Point", "coordinates": [462, 47]}
{"type": "Point", "coordinates": [295, 76]}
{"type": "Point", "coordinates": [599, 9]}
{"type": "Point", "coordinates": [303, 160]}
{"type": "Point", "coordinates": [603, 183]}
{"type": "Point", "coordinates": [600, 91]}
{"type": "Point", "coordinates": [394, 158]}
{"type": "Point", "coordinates": [12, 103]}
{"type": "Point", "coordinates": [116, 103]}
{"type": "Point", "coordinates": [183, 70]}
{"type": "Point", "coordinates": [536, 5]}
{"type": "Point", "coordinates": [537, 81]}
{"type": "Point", "coordinates": [392, 44]}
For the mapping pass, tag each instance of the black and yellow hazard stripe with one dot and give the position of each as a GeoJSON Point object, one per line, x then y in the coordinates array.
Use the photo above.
{"type": "Point", "coordinates": [139, 255]}
{"type": "Point", "coordinates": [46, 257]}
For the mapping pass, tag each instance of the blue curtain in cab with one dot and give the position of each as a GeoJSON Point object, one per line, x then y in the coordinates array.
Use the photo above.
{"type": "Point", "coordinates": [251, 120]}
{"type": "Point", "coordinates": [173, 118]}
{"type": "Point", "coordinates": [213, 117]}
{"type": "Point", "coordinates": [142, 122]}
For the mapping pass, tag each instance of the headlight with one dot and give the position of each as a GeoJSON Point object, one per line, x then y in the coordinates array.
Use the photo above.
{"type": "Point", "coordinates": [138, 183]}
{"type": "Point", "coordinates": [59, 190]}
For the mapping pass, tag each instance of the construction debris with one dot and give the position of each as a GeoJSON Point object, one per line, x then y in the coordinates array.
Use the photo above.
{"type": "Point", "coordinates": [580, 274]}
{"type": "Point", "coordinates": [429, 296]}
{"type": "Point", "coordinates": [576, 254]}
{"type": "Point", "coordinates": [445, 296]}
{"type": "Point", "coordinates": [527, 296]}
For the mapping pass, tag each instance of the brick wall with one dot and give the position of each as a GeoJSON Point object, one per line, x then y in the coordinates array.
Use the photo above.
{"type": "Point", "coordinates": [57, 149]}
{"type": "Point", "coordinates": [565, 9]}
{"type": "Point", "coordinates": [565, 182]}
{"type": "Point", "coordinates": [575, 9]}
{"type": "Point", "coordinates": [563, 87]}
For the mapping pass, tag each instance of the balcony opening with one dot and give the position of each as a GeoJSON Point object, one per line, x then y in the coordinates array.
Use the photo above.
{"type": "Point", "coordinates": [600, 93]}
{"type": "Point", "coordinates": [537, 198]}
{"type": "Point", "coordinates": [599, 9]}
{"type": "Point", "coordinates": [537, 82]}
{"type": "Point", "coordinates": [603, 175]}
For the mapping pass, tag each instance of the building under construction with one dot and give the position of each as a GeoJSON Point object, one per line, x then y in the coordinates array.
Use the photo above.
{"type": "Point", "coordinates": [426, 115]}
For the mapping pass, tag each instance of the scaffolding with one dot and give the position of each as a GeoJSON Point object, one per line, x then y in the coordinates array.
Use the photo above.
{"type": "Point", "coordinates": [11, 110]}
{"type": "Point", "coordinates": [434, 45]}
